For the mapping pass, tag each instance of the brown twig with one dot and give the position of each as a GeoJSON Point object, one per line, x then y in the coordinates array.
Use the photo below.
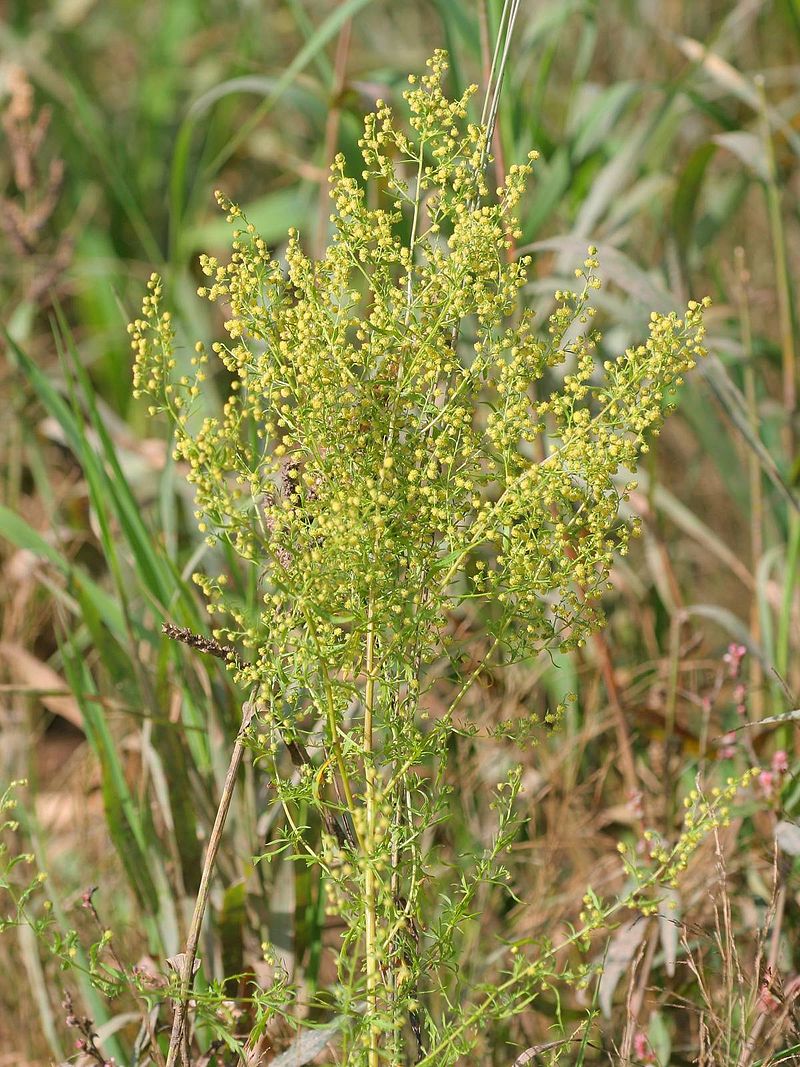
{"type": "Point", "coordinates": [87, 1042]}
{"type": "Point", "coordinates": [209, 645]}
{"type": "Point", "coordinates": [186, 964]}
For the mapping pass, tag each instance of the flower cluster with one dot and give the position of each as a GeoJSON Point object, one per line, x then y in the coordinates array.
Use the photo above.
{"type": "Point", "coordinates": [703, 813]}
{"type": "Point", "coordinates": [389, 437]}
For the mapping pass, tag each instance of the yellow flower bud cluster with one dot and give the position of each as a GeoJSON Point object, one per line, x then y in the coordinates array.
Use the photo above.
{"type": "Point", "coordinates": [393, 441]}
{"type": "Point", "coordinates": [704, 812]}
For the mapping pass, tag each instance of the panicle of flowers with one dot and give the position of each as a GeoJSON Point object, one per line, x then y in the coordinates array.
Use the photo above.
{"type": "Point", "coordinates": [733, 659]}
{"type": "Point", "coordinates": [87, 1042]}
{"type": "Point", "coordinates": [411, 462]}
{"type": "Point", "coordinates": [770, 780]}
{"type": "Point", "coordinates": [152, 341]}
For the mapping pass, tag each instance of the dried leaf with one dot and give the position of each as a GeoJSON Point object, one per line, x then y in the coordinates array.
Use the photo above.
{"type": "Point", "coordinates": [748, 149]}
{"type": "Point", "coordinates": [787, 837]}
{"type": "Point", "coordinates": [789, 716]}
{"type": "Point", "coordinates": [115, 1023]}
{"type": "Point", "coordinates": [668, 928]}
{"type": "Point", "coordinates": [176, 963]}
{"type": "Point", "coordinates": [307, 1046]}
{"type": "Point", "coordinates": [531, 1053]}
{"type": "Point", "coordinates": [618, 958]}
{"type": "Point", "coordinates": [42, 681]}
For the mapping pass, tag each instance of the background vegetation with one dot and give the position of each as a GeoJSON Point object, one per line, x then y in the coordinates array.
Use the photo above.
{"type": "Point", "coordinates": [669, 136]}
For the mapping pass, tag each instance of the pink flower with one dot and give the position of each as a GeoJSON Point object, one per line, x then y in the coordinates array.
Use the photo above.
{"type": "Point", "coordinates": [727, 746]}
{"type": "Point", "coordinates": [766, 783]}
{"type": "Point", "coordinates": [641, 1048]}
{"type": "Point", "coordinates": [780, 762]}
{"type": "Point", "coordinates": [733, 658]}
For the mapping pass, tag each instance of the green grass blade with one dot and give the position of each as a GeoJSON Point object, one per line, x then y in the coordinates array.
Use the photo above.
{"type": "Point", "coordinates": [18, 532]}
{"type": "Point", "coordinates": [325, 32]}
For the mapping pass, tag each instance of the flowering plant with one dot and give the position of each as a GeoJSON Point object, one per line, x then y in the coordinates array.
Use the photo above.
{"type": "Point", "coordinates": [398, 446]}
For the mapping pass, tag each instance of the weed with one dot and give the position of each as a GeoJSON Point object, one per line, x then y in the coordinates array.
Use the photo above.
{"type": "Point", "coordinates": [377, 483]}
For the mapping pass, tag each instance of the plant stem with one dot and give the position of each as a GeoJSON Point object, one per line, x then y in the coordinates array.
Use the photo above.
{"type": "Point", "coordinates": [333, 726]}
{"type": "Point", "coordinates": [754, 478]}
{"type": "Point", "coordinates": [783, 285]}
{"type": "Point", "coordinates": [370, 906]}
{"type": "Point", "coordinates": [187, 967]}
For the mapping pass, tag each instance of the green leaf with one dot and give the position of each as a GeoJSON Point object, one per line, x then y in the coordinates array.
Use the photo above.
{"type": "Point", "coordinates": [168, 743]}
{"type": "Point", "coordinates": [684, 205]}
{"type": "Point", "coordinates": [271, 215]}
{"type": "Point", "coordinates": [659, 1038]}
{"type": "Point", "coordinates": [594, 125]}
{"type": "Point", "coordinates": [232, 919]}
{"type": "Point", "coordinates": [17, 531]}
{"type": "Point", "coordinates": [124, 822]}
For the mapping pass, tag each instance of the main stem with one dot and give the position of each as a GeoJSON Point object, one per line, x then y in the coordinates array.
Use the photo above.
{"type": "Point", "coordinates": [370, 902]}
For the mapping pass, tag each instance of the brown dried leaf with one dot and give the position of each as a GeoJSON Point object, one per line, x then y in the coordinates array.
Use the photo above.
{"type": "Point", "coordinates": [618, 958]}
{"type": "Point", "coordinates": [42, 681]}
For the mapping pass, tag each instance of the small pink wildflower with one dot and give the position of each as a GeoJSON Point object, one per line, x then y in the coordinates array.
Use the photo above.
{"type": "Point", "coordinates": [780, 762]}
{"type": "Point", "coordinates": [641, 1048]}
{"type": "Point", "coordinates": [766, 783]}
{"type": "Point", "coordinates": [733, 658]}
{"type": "Point", "coordinates": [727, 746]}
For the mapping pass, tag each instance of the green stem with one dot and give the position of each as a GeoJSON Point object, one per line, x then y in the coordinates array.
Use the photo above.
{"type": "Point", "coordinates": [333, 726]}
{"type": "Point", "coordinates": [783, 285]}
{"type": "Point", "coordinates": [370, 896]}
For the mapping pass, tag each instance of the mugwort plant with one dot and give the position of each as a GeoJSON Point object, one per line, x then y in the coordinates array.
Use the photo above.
{"type": "Point", "coordinates": [403, 444]}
